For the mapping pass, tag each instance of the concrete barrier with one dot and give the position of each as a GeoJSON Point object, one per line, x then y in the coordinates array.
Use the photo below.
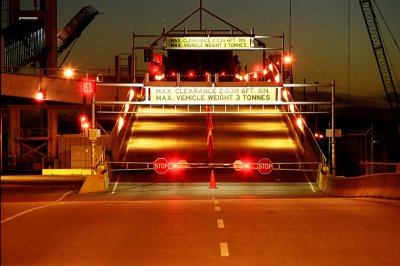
{"type": "Point", "coordinates": [385, 185]}
{"type": "Point", "coordinates": [65, 172]}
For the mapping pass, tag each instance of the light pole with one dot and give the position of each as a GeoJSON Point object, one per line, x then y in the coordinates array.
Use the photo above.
{"type": "Point", "coordinates": [333, 143]}
{"type": "Point", "coordinates": [89, 89]}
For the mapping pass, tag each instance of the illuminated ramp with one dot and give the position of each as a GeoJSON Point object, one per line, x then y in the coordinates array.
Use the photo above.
{"type": "Point", "coordinates": [161, 133]}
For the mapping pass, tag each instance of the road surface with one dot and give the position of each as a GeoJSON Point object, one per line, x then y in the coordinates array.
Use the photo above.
{"type": "Point", "coordinates": [174, 224]}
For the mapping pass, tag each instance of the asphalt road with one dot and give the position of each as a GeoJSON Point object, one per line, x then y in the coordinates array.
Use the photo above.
{"type": "Point", "coordinates": [175, 224]}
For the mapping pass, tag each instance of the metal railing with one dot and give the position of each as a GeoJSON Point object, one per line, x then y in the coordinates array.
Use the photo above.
{"type": "Point", "coordinates": [368, 168]}
{"type": "Point", "coordinates": [278, 166]}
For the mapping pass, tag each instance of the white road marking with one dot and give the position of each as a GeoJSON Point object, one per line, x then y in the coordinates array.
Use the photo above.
{"type": "Point", "coordinates": [224, 249]}
{"type": "Point", "coordinates": [216, 201]}
{"type": "Point", "coordinates": [30, 210]}
{"type": "Point", "coordinates": [217, 208]}
{"type": "Point", "coordinates": [310, 184]}
{"type": "Point", "coordinates": [220, 223]}
{"type": "Point", "coordinates": [115, 185]}
{"type": "Point", "coordinates": [63, 196]}
{"type": "Point", "coordinates": [56, 202]}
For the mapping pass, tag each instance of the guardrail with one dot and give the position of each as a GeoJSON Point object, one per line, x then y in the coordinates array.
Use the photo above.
{"type": "Point", "coordinates": [368, 168]}
{"type": "Point", "coordinates": [311, 151]}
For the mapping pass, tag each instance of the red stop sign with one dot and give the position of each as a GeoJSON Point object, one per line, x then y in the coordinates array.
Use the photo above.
{"type": "Point", "coordinates": [161, 165]}
{"type": "Point", "coordinates": [264, 166]}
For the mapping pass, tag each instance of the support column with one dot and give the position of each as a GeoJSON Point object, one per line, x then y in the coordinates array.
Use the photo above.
{"type": "Point", "coordinates": [52, 133]}
{"type": "Point", "coordinates": [15, 125]}
{"type": "Point", "coordinates": [50, 7]}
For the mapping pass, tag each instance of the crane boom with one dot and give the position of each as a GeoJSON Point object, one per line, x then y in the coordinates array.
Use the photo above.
{"type": "Point", "coordinates": [375, 37]}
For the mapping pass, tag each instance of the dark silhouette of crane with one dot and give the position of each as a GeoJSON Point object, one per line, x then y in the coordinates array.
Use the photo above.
{"type": "Point", "coordinates": [392, 97]}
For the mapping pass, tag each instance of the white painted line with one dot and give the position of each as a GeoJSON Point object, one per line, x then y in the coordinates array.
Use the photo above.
{"type": "Point", "coordinates": [224, 249]}
{"type": "Point", "coordinates": [220, 223]}
{"type": "Point", "coordinates": [216, 201]}
{"type": "Point", "coordinates": [312, 187]}
{"type": "Point", "coordinates": [310, 184]}
{"type": "Point", "coordinates": [30, 210]}
{"type": "Point", "coordinates": [63, 196]}
{"type": "Point", "coordinates": [217, 208]}
{"type": "Point", "coordinates": [115, 185]}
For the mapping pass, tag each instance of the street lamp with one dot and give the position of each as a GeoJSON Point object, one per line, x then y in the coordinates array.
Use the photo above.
{"type": "Point", "coordinates": [68, 73]}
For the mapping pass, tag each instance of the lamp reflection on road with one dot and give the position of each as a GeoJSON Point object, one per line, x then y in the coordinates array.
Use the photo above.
{"type": "Point", "coordinates": [161, 143]}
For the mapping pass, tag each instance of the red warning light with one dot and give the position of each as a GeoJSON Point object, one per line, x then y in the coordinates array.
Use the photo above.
{"type": "Point", "coordinates": [84, 122]}
{"type": "Point", "coordinates": [191, 74]}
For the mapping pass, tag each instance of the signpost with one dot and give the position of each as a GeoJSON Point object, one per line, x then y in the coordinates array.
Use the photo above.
{"type": "Point", "coordinates": [161, 165]}
{"type": "Point", "coordinates": [88, 87]}
{"type": "Point", "coordinates": [264, 166]}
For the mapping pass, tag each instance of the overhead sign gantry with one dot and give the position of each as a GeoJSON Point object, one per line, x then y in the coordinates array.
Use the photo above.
{"type": "Point", "coordinates": [209, 43]}
{"type": "Point", "coordinates": [194, 53]}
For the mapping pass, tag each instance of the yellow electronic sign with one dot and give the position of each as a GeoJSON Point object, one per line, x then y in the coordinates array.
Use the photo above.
{"type": "Point", "coordinates": [213, 95]}
{"type": "Point", "coordinates": [209, 43]}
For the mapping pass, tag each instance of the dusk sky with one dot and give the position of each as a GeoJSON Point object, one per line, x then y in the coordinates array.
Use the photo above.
{"type": "Point", "coordinates": [319, 34]}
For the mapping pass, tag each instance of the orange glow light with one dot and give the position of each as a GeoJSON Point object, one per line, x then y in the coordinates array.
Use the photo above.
{"type": "Point", "coordinates": [159, 77]}
{"type": "Point", "coordinates": [39, 95]}
{"type": "Point", "coordinates": [131, 94]}
{"type": "Point", "coordinates": [291, 108]}
{"type": "Point", "coordinates": [299, 122]}
{"type": "Point", "coordinates": [277, 78]}
{"type": "Point", "coordinates": [265, 71]}
{"type": "Point", "coordinates": [287, 59]}
{"type": "Point", "coordinates": [121, 122]}
{"type": "Point", "coordinates": [68, 73]}
{"type": "Point", "coordinates": [285, 95]}
{"type": "Point", "coordinates": [126, 108]}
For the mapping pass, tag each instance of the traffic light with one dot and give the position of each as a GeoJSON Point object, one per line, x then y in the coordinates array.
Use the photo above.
{"type": "Point", "coordinates": [148, 54]}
